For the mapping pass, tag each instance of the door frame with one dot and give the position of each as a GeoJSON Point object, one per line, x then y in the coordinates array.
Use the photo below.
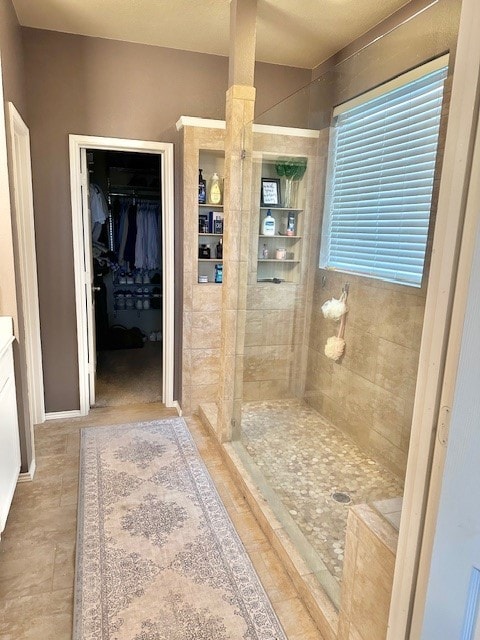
{"type": "Point", "coordinates": [24, 230]}
{"type": "Point", "coordinates": [457, 461]}
{"type": "Point", "coordinates": [82, 252]}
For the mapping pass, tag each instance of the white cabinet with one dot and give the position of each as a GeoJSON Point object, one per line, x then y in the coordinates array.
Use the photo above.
{"type": "Point", "coordinates": [9, 439]}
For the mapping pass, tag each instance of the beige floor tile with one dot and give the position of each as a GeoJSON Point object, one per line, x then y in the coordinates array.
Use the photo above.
{"type": "Point", "coordinates": [295, 620]}
{"type": "Point", "coordinates": [25, 576]}
{"type": "Point", "coordinates": [37, 550]}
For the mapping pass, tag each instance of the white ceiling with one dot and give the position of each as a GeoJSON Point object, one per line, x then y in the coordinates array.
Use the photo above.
{"type": "Point", "coordinates": [297, 33]}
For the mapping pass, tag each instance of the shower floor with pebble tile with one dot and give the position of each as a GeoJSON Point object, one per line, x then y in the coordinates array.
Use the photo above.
{"type": "Point", "coordinates": [305, 461]}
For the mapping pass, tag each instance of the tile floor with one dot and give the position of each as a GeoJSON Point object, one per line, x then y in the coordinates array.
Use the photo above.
{"type": "Point", "coordinates": [38, 545]}
{"type": "Point", "coordinates": [304, 460]}
{"type": "Point", "coordinates": [129, 376]}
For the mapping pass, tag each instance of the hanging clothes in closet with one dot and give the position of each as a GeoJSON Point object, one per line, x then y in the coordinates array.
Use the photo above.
{"type": "Point", "coordinates": [137, 234]}
{"type": "Point", "coordinates": [98, 210]}
{"type": "Point", "coordinates": [147, 240]}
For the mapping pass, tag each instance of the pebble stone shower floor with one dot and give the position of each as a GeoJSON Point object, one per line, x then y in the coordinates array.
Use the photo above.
{"type": "Point", "coordinates": [305, 460]}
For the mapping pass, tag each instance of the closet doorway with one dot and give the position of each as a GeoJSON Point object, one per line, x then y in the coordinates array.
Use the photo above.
{"type": "Point", "coordinates": [122, 207]}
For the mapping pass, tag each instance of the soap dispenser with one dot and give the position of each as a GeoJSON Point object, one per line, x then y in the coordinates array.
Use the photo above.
{"type": "Point", "coordinates": [215, 193]}
{"type": "Point", "coordinates": [268, 224]}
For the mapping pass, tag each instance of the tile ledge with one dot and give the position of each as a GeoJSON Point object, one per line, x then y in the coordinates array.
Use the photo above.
{"type": "Point", "coordinates": [310, 592]}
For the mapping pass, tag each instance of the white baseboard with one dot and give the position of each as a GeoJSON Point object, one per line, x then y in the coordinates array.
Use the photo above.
{"type": "Point", "coordinates": [63, 415]}
{"type": "Point", "coordinates": [27, 476]}
{"type": "Point", "coordinates": [176, 406]}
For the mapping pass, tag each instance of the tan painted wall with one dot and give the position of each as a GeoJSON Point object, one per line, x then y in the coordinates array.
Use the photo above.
{"type": "Point", "coordinates": [101, 87]}
{"type": "Point", "coordinates": [12, 57]}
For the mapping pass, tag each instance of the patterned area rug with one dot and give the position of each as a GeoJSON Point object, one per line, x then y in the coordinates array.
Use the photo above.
{"type": "Point", "coordinates": [158, 557]}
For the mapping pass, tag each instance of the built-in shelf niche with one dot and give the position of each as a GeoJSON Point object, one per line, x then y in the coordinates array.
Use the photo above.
{"type": "Point", "coordinates": [210, 162]}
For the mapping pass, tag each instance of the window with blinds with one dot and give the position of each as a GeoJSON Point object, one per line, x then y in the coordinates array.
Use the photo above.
{"type": "Point", "coordinates": [381, 169]}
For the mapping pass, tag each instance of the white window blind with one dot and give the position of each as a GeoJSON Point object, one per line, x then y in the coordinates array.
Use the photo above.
{"type": "Point", "coordinates": [382, 162]}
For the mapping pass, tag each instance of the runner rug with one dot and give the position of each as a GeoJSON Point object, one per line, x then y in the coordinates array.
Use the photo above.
{"type": "Point", "coordinates": [158, 557]}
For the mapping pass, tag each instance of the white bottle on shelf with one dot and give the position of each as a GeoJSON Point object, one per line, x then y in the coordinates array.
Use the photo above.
{"type": "Point", "coordinates": [215, 193]}
{"type": "Point", "coordinates": [268, 227]}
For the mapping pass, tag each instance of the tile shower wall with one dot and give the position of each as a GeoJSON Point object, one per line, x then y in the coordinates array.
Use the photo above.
{"type": "Point", "coordinates": [369, 392]}
{"type": "Point", "coordinates": [202, 303]}
{"type": "Point", "coordinates": [275, 358]}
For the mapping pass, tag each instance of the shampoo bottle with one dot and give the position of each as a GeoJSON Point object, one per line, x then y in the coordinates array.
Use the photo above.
{"type": "Point", "coordinates": [215, 194]}
{"type": "Point", "coordinates": [268, 224]}
{"type": "Point", "coordinates": [219, 250]}
{"type": "Point", "coordinates": [202, 188]}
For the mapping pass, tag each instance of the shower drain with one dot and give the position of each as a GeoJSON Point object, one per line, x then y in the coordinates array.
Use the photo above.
{"type": "Point", "coordinates": [340, 496]}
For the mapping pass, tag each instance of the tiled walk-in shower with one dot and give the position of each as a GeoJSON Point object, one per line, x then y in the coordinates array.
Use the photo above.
{"type": "Point", "coordinates": [304, 461]}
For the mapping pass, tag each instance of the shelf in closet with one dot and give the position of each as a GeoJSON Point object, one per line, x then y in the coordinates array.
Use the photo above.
{"type": "Point", "coordinates": [211, 206]}
{"type": "Point", "coordinates": [210, 260]}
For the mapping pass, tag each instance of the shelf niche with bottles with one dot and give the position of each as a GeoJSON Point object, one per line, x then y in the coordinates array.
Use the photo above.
{"type": "Point", "coordinates": [279, 256]}
{"type": "Point", "coordinates": [210, 220]}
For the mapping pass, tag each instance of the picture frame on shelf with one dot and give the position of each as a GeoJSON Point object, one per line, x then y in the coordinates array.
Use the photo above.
{"type": "Point", "coordinates": [270, 192]}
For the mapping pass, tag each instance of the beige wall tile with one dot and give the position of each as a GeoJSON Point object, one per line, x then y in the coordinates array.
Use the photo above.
{"type": "Point", "coordinates": [368, 575]}
{"type": "Point", "coordinates": [204, 366]}
{"type": "Point", "coordinates": [392, 456]}
{"type": "Point", "coordinates": [269, 327]}
{"type": "Point", "coordinates": [369, 393]}
{"type": "Point", "coordinates": [206, 297]}
{"type": "Point", "coordinates": [388, 416]}
{"type": "Point", "coordinates": [205, 330]}
{"type": "Point", "coordinates": [266, 363]}
{"type": "Point", "coordinates": [202, 393]}
{"type": "Point", "coordinates": [396, 368]}
{"type": "Point", "coordinates": [360, 352]}
{"type": "Point", "coordinates": [266, 390]}
{"type": "Point", "coordinates": [267, 296]}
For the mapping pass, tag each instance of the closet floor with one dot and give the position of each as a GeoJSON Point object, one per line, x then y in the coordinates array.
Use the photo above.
{"type": "Point", "coordinates": [129, 376]}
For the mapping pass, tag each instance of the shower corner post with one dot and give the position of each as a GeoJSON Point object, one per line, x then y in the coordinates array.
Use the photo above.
{"type": "Point", "coordinates": [239, 112]}
{"type": "Point", "coordinates": [238, 160]}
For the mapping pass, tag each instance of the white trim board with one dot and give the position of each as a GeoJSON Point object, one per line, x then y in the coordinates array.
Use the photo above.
{"type": "Point", "coordinates": [63, 415]}
{"type": "Point", "coordinates": [178, 408]}
{"type": "Point", "coordinates": [82, 249]}
{"type": "Point", "coordinates": [25, 235]}
{"type": "Point", "coordinates": [191, 121]}
{"type": "Point", "coordinates": [27, 476]}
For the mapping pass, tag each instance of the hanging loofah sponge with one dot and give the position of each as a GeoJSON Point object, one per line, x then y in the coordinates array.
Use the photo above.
{"type": "Point", "coordinates": [334, 348]}
{"type": "Point", "coordinates": [334, 309]}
